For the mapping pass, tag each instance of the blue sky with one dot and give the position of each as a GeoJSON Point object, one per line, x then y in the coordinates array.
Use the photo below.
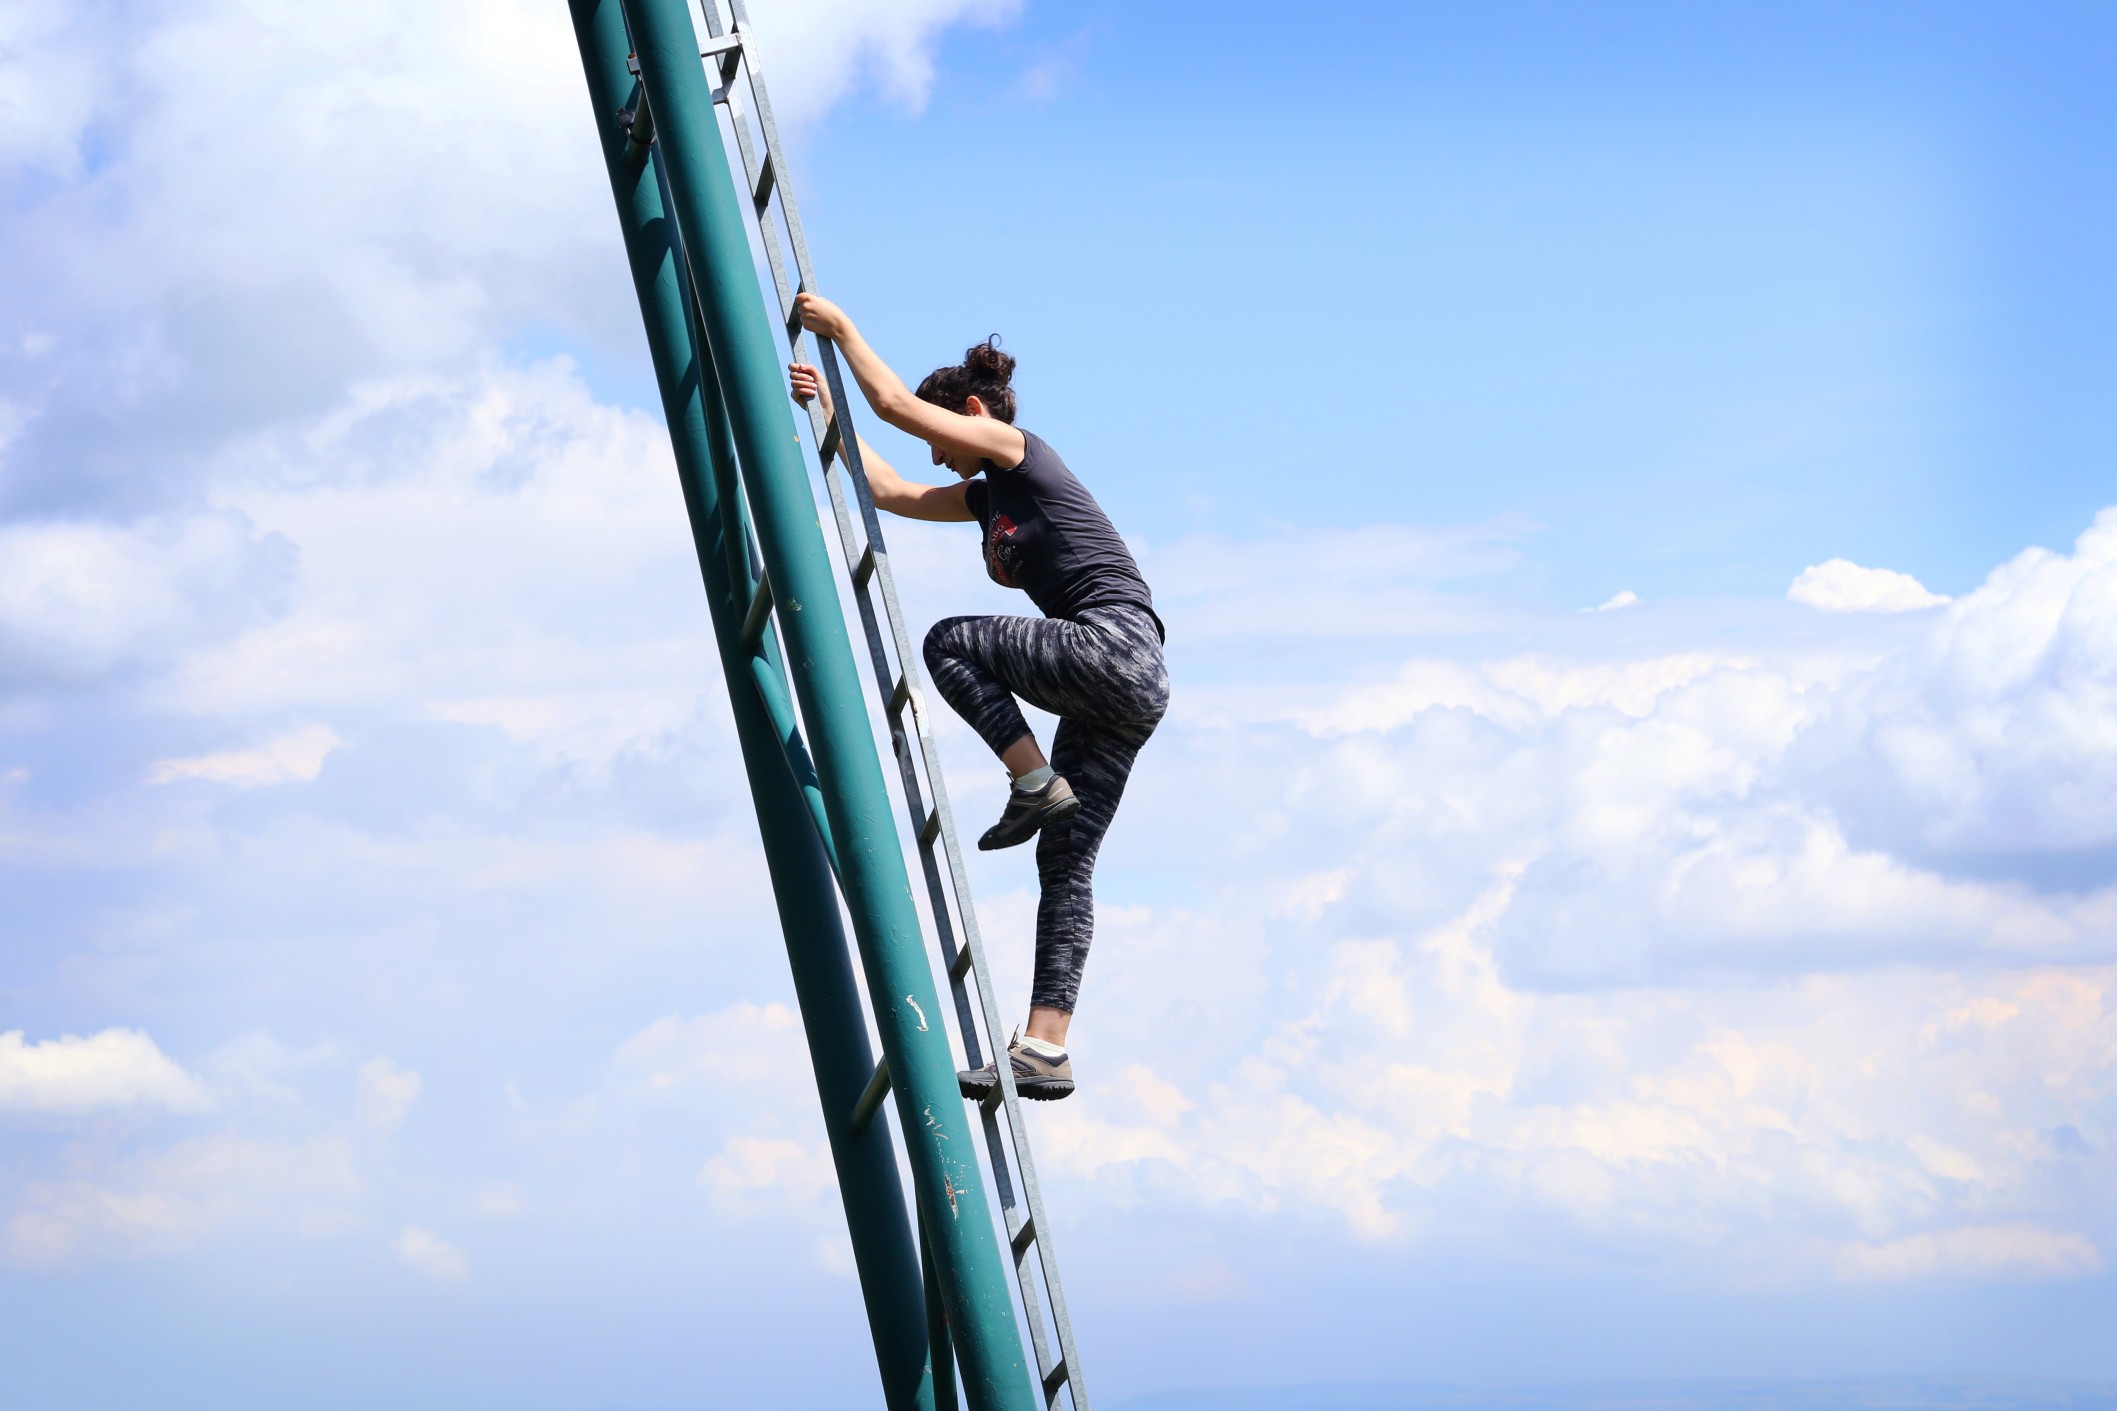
{"type": "Point", "coordinates": [1489, 987]}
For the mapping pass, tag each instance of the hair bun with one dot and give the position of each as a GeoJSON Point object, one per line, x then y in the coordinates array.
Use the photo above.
{"type": "Point", "coordinates": [987, 363]}
{"type": "Point", "coordinates": [984, 373]}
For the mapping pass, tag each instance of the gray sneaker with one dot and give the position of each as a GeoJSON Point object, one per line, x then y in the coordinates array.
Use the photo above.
{"type": "Point", "coordinates": [1035, 1076]}
{"type": "Point", "coordinates": [1027, 812]}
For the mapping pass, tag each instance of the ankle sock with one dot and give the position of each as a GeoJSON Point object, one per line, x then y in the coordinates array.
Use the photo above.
{"type": "Point", "coordinates": [1042, 1048]}
{"type": "Point", "coordinates": [1034, 780]}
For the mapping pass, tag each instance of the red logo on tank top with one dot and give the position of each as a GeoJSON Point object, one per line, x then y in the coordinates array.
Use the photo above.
{"type": "Point", "coordinates": [998, 550]}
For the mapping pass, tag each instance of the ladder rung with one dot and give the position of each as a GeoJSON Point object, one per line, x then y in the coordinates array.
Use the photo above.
{"type": "Point", "coordinates": [960, 966]}
{"type": "Point", "coordinates": [722, 45]}
{"type": "Point", "coordinates": [761, 193]}
{"type": "Point", "coordinates": [865, 568]}
{"type": "Point", "coordinates": [832, 437]}
{"type": "Point", "coordinates": [1023, 1236]}
{"type": "Point", "coordinates": [1056, 1377]}
{"type": "Point", "coordinates": [760, 612]}
{"type": "Point", "coordinates": [931, 829]}
{"type": "Point", "coordinates": [901, 696]}
{"type": "Point", "coordinates": [871, 1096]}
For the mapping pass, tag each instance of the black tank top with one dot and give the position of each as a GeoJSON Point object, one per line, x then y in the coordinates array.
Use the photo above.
{"type": "Point", "coordinates": [1046, 535]}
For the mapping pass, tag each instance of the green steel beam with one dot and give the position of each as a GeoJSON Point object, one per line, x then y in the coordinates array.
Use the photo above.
{"type": "Point", "coordinates": [947, 1185]}
{"type": "Point", "coordinates": [883, 1248]}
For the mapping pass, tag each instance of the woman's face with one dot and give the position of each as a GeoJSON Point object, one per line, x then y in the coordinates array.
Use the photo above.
{"type": "Point", "coordinates": [964, 466]}
{"type": "Point", "coordinates": [967, 467]}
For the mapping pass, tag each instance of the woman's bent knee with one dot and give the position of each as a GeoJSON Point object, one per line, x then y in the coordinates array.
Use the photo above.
{"type": "Point", "coordinates": [937, 648]}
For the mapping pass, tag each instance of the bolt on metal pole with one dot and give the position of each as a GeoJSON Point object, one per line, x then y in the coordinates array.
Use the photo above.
{"type": "Point", "coordinates": [883, 1249]}
{"type": "Point", "coordinates": [946, 1182]}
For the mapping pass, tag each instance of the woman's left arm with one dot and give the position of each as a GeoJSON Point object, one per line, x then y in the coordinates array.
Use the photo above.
{"type": "Point", "coordinates": [986, 437]}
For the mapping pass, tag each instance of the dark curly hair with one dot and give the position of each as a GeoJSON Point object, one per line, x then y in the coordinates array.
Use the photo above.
{"type": "Point", "coordinates": [984, 373]}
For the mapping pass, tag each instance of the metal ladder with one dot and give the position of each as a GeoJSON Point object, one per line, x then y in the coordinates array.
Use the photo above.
{"type": "Point", "coordinates": [730, 50]}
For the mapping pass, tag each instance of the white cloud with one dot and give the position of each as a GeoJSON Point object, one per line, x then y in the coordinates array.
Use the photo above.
{"type": "Point", "coordinates": [744, 1046]}
{"type": "Point", "coordinates": [500, 1200]}
{"type": "Point", "coordinates": [790, 1173]}
{"type": "Point", "coordinates": [1417, 1094]}
{"type": "Point", "coordinates": [169, 1201]}
{"type": "Point", "coordinates": [1843, 586]}
{"type": "Point", "coordinates": [114, 1069]}
{"type": "Point", "coordinates": [47, 83]}
{"type": "Point", "coordinates": [106, 1201]}
{"type": "Point", "coordinates": [80, 598]}
{"type": "Point", "coordinates": [387, 1093]}
{"type": "Point", "coordinates": [291, 758]}
{"type": "Point", "coordinates": [815, 52]}
{"type": "Point", "coordinates": [1625, 599]}
{"type": "Point", "coordinates": [1976, 1250]}
{"type": "Point", "coordinates": [427, 1254]}
{"type": "Point", "coordinates": [1662, 956]}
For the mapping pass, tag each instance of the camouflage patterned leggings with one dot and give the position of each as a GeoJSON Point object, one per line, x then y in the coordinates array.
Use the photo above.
{"type": "Point", "coordinates": [1103, 676]}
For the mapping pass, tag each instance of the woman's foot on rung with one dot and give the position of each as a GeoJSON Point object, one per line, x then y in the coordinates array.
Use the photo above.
{"type": "Point", "coordinates": [1035, 1076]}
{"type": "Point", "coordinates": [1029, 810]}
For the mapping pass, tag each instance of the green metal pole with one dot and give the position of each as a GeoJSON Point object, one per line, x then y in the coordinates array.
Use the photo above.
{"type": "Point", "coordinates": [883, 1249]}
{"type": "Point", "coordinates": [945, 1178]}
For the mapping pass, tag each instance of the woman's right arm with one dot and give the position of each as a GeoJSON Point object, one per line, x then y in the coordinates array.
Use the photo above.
{"type": "Point", "coordinates": [891, 491]}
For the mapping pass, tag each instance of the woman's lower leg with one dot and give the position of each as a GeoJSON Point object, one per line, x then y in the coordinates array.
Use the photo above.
{"type": "Point", "coordinates": [1022, 756]}
{"type": "Point", "coordinates": [1048, 1024]}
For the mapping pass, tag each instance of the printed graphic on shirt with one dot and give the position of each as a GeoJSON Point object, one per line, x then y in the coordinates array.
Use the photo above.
{"type": "Point", "coordinates": [1002, 554]}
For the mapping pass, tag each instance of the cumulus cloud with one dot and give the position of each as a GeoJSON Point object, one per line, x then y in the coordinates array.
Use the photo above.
{"type": "Point", "coordinates": [1841, 1128]}
{"type": "Point", "coordinates": [389, 149]}
{"type": "Point", "coordinates": [112, 1070]}
{"type": "Point", "coordinates": [817, 51]}
{"type": "Point", "coordinates": [1672, 954]}
{"type": "Point", "coordinates": [738, 1046]}
{"type": "Point", "coordinates": [312, 1178]}
{"type": "Point", "coordinates": [1973, 1250]}
{"type": "Point", "coordinates": [171, 1200]}
{"type": "Point", "coordinates": [1988, 741]}
{"type": "Point", "coordinates": [387, 1093]}
{"type": "Point", "coordinates": [287, 759]}
{"type": "Point", "coordinates": [81, 598]}
{"type": "Point", "coordinates": [430, 1256]}
{"type": "Point", "coordinates": [1841, 585]}
{"type": "Point", "coordinates": [790, 1172]}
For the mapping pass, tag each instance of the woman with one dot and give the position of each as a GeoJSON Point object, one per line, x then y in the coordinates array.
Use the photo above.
{"type": "Point", "coordinates": [1094, 659]}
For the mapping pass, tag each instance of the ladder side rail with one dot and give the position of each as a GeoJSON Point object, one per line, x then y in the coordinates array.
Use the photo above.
{"type": "Point", "coordinates": [849, 455]}
{"type": "Point", "coordinates": [822, 969]}
{"type": "Point", "coordinates": [819, 648]}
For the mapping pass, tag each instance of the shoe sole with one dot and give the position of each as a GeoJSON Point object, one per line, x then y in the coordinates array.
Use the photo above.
{"type": "Point", "coordinates": [994, 840]}
{"type": "Point", "coordinates": [1034, 1089]}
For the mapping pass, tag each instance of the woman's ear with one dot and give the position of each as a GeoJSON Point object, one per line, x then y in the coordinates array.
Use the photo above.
{"type": "Point", "coordinates": [973, 407]}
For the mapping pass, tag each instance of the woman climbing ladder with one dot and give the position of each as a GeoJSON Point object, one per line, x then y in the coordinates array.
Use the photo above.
{"type": "Point", "coordinates": [1094, 659]}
